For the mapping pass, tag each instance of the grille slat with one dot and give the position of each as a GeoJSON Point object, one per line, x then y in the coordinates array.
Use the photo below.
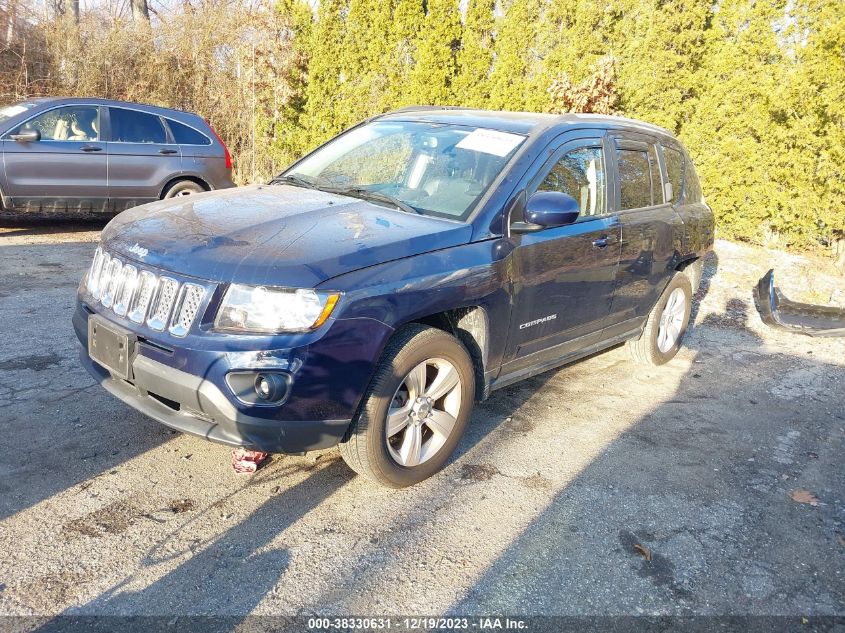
{"type": "Point", "coordinates": [141, 295]}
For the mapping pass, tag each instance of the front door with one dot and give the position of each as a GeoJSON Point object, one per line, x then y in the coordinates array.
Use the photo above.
{"type": "Point", "coordinates": [142, 157]}
{"type": "Point", "coordinates": [65, 171]}
{"type": "Point", "coordinates": [564, 276]}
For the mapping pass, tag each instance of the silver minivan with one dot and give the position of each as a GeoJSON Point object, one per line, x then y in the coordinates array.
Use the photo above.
{"type": "Point", "coordinates": [78, 156]}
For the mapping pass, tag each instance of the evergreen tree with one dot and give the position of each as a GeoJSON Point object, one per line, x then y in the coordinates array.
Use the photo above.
{"type": "Point", "coordinates": [408, 16]}
{"type": "Point", "coordinates": [322, 92]}
{"type": "Point", "coordinates": [363, 61]}
{"type": "Point", "coordinates": [513, 82]}
{"type": "Point", "coordinates": [662, 51]}
{"type": "Point", "coordinates": [731, 133]}
{"type": "Point", "coordinates": [430, 81]}
{"type": "Point", "coordinates": [475, 57]}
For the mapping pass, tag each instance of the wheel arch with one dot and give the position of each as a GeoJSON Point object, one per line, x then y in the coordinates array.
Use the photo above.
{"type": "Point", "coordinates": [183, 177]}
{"type": "Point", "coordinates": [471, 326]}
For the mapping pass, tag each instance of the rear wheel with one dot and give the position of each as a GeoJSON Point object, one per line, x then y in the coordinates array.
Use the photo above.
{"type": "Point", "coordinates": [666, 324]}
{"type": "Point", "coordinates": [182, 188]}
{"type": "Point", "coordinates": [415, 411]}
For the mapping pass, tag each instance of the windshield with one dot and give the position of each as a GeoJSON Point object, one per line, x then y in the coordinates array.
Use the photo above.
{"type": "Point", "coordinates": [432, 168]}
{"type": "Point", "coordinates": [8, 112]}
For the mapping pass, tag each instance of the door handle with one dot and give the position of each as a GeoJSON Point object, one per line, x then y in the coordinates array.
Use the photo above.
{"type": "Point", "coordinates": [91, 148]}
{"type": "Point", "coordinates": [166, 151]}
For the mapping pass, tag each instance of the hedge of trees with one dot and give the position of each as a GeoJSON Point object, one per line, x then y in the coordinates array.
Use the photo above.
{"type": "Point", "coordinates": [755, 88]}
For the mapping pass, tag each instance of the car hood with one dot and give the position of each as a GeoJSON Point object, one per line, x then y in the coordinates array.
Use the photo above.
{"type": "Point", "coordinates": [274, 235]}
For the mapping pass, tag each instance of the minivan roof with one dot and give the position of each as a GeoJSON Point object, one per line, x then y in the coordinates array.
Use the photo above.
{"type": "Point", "coordinates": [517, 122]}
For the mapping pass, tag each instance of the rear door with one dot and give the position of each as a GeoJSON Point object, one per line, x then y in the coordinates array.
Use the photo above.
{"type": "Point", "coordinates": [650, 230]}
{"type": "Point", "coordinates": [142, 157]}
{"type": "Point", "coordinates": [564, 277]}
{"type": "Point", "coordinates": [66, 171]}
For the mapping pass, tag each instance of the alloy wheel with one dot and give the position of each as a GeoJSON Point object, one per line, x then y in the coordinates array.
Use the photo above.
{"type": "Point", "coordinates": [672, 320]}
{"type": "Point", "coordinates": [423, 412]}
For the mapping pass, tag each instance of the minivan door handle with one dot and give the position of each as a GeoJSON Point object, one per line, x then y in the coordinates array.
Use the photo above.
{"type": "Point", "coordinates": [91, 148]}
{"type": "Point", "coordinates": [167, 151]}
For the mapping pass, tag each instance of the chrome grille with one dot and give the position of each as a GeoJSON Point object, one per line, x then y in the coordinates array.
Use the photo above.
{"type": "Point", "coordinates": [188, 306]}
{"type": "Point", "coordinates": [142, 295]}
{"type": "Point", "coordinates": [164, 303]}
{"type": "Point", "coordinates": [147, 284]}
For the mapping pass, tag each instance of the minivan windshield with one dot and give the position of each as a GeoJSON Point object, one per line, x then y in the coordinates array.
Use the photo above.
{"type": "Point", "coordinates": [423, 167]}
{"type": "Point", "coordinates": [7, 112]}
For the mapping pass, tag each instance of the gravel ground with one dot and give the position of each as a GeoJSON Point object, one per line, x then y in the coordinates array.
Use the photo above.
{"type": "Point", "coordinates": [599, 488]}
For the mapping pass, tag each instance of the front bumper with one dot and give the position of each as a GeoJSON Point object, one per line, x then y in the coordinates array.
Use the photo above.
{"type": "Point", "coordinates": [801, 318]}
{"type": "Point", "coordinates": [193, 405]}
{"type": "Point", "coordinates": [183, 383]}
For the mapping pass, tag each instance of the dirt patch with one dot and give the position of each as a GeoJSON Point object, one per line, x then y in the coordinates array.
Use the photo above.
{"type": "Point", "coordinates": [115, 518]}
{"type": "Point", "coordinates": [182, 505]}
{"type": "Point", "coordinates": [35, 362]}
{"type": "Point", "coordinates": [478, 472]}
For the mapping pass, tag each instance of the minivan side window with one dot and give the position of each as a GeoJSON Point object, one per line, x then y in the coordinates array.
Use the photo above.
{"type": "Point", "coordinates": [131, 126]}
{"type": "Point", "coordinates": [185, 135]}
{"type": "Point", "coordinates": [69, 123]}
{"type": "Point", "coordinates": [634, 178]}
{"type": "Point", "coordinates": [674, 170]}
{"type": "Point", "coordinates": [580, 173]}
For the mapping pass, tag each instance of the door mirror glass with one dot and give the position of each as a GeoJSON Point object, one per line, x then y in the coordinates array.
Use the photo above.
{"type": "Point", "coordinates": [551, 208]}
{"type": "Point", "coordinates": [26, 136]}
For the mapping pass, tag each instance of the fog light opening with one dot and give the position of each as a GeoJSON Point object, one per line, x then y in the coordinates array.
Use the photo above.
{"type": "Point", "coordinates": [270, 387]}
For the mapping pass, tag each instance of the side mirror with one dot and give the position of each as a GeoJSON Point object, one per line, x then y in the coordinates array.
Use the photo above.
{"type": "Point", "coordinates": [26, 136]}
{"type": "Point", "coordinates": [546, 209]}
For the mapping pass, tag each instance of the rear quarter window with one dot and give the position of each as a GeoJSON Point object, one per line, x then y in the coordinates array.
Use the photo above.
{"type": "Point", "coordinates": [185, 135]}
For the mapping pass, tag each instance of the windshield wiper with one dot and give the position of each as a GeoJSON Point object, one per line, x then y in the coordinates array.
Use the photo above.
{"type": "Point", "coordinates": [299, 181]}
{"type": "Point", "coordinates": [375, 196]}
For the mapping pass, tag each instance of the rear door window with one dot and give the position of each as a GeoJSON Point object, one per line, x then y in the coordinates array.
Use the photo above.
{"type": "Point", "coordinates": [132, 126]}
{"type": "Point", "coordinates": [634, 178]}
{"type": "Point", "coordinates": [185, 135]}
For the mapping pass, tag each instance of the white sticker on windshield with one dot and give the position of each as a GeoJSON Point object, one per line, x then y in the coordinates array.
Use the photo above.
{"type": "Point", "coordinates": [490, 142]}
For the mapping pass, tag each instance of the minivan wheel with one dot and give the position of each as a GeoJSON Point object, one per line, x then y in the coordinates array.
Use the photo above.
{"type": "Point", "coordinates": [415, 410]}
{"type": "Point", "coordinates": [666, 324]}
{"type": "Point", "coordinates": [182, 188]}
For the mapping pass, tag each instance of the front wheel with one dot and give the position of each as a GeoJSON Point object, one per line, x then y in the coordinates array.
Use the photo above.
{"type": "Point", "coordinates": [415, 411]}
{"type": "Point", "coordinates": [666, 324]}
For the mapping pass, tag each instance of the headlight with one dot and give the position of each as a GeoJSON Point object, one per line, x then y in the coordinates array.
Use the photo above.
{"type": "Point", "coordinates": [272, 310]}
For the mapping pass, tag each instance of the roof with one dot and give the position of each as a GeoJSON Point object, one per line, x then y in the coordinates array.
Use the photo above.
{"type": "Point", "coordinates": [515, 122]}
{"type": "Point", "coordinates": [99, 101]}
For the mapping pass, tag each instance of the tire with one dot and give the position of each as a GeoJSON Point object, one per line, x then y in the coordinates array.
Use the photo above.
{"type": "Point", "coordinates": [653, 347]}
{"type": "Point", "coordinates": [369, 451]}
{"type": "Point", "coordinates": [182, 188]}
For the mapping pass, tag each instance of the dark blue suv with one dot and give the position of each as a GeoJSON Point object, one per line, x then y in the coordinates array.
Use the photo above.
{"type": "Point", "coordinates": [405, 269]}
